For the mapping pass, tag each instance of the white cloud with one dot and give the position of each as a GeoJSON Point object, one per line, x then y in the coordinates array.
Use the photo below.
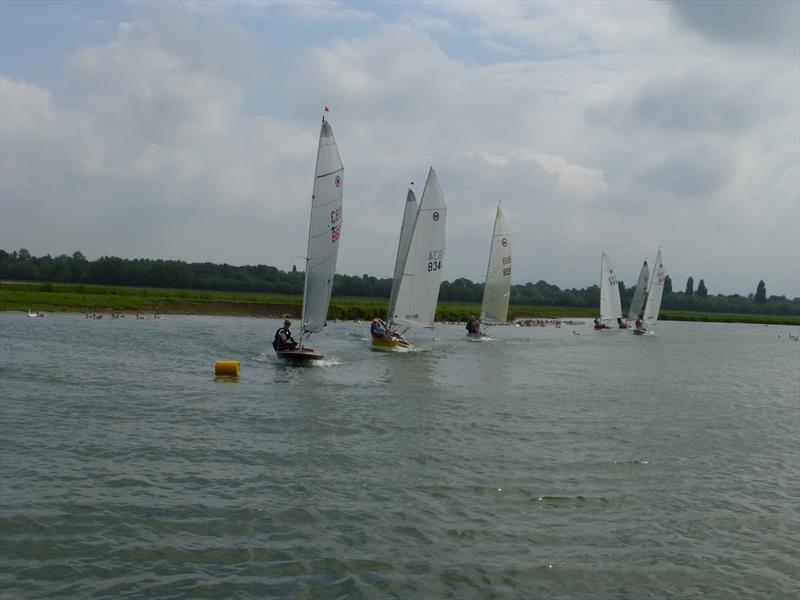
{"type": "Point", "coordinates": [601, 127]}
{"type": "Point", "coordinates": [26, 110]}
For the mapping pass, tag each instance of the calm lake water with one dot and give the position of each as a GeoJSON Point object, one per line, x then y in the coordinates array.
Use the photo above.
{"type": "Point", "coordinates": [542, 465]}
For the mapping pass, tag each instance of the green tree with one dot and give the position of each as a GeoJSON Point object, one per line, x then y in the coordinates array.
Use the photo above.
{"type": "Point", "coordinates": [761, 293]}
{"type": "Point", "coordinates": [689, 287]}
{"type": "Point", "coordinates": [702, 292]}
{"type": "Point", "coordinates": [667, 285]}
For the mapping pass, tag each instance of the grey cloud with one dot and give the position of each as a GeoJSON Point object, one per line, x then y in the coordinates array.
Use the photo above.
{"type": "Point", "coordinates": [775, 23]}
{"type": "Point", "coordinates": [687, 170]}
{"type": "Point", "coordinates": [701, 100]}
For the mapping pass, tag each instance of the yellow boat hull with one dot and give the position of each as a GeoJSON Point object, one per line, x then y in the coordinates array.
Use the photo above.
{"type": "Point", "coordinates": [384, 344]}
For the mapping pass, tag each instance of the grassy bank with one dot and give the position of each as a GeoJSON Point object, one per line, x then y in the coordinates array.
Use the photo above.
{"type": "Point", "coordinates": [99, 298]}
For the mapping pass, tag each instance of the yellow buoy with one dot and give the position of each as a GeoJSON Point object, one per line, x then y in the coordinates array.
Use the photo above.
{"type": "Point", "coordinates": [227, 367]}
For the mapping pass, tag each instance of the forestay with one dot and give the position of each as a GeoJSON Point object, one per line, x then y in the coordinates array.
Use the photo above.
{"type": "Point", "coordinates": [406, 231]}
{"type": "Point", "coordinates": [654, 293]}
{"type": "Point", "coordinates": [638, 294]}
{"type": "Point", "coordinates": [497, 291]}
{"type": "Point", "coordinates": [324, 232]}
{"type": "Point", "coordinates": [419, 288]}
{"type": "Point", "coordinates": [610, 305]}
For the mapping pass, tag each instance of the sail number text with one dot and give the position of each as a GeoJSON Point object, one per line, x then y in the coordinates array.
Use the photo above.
{"type": "Point", "coordinates": [435, 260]}
{"type": "Point", "coordinates": [507, 269]}
{"type": "Point", "coordinates": [336, 230]}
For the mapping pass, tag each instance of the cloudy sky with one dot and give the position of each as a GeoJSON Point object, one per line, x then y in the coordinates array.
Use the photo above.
{"type": "Point", "coordinates": [188, 130]}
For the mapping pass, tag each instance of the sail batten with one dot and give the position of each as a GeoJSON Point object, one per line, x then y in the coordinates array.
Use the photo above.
{"type": "Point", "coordinates": [497, 289]}
{"type": "Point", "coordinates": [324, 233]}
{"type": "Point", "coordinates": [418, 290]}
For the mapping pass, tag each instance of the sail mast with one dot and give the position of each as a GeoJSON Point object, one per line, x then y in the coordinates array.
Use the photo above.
{"type": "Point", "coordinates": [497, 289]}
{"type": "Point", "coordinates": [489, 265]}
{"type": "Point", "coordinates": [407, 227]}
{"type": "Point", "coordinates": [419, 288]}
{"type": "Point", "coordinates": [324, 232]}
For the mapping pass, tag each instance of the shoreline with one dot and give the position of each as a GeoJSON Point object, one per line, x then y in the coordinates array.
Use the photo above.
{"type": "Point", "coordinates": [289, 311]}
{"type": "Point", "coordinates": [53, 298]}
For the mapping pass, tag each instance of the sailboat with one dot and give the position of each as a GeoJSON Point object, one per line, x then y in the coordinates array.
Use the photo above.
{"type": "Point", "coordinates": [653, 304]}
{"type": "Point", "coordinates": [418, 267]}
{"type": "Point", "coordinates": [610, 305]}
{"type": "Point", "coordinates": [638, 295]}
{"type": "Point", "coordinates": [497, 289]}
{"type": "Point", "coordinates": [392, 339]}
{"type": "Point", "coordinates": [324, 231]}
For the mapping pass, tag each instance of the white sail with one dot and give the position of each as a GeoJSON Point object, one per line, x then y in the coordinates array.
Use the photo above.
{"type": "Point", "coordinates": [638, 294]}
{"type": "Point", "coordinates": [419, 288]}
{"type": "Point", "coordinates": [654, 294]}
{"type": "Point", "coordinates": [610, 305]}
{"type": "Point", "coordinates": [497, 291]}
{"type": "Point", "coordinates": [324, 231]}
{"type": "Point", "coordinates": [406, 231]}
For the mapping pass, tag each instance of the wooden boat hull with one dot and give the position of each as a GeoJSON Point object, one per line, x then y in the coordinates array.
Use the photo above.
{"type": "Point", "coordinates": [380, 343]}
{"type": "Point", "coordinates": [300, 354]}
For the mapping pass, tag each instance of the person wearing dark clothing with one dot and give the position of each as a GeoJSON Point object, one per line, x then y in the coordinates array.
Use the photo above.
{"type": "Point", "coordinates": [473, 325]}
{"type": "Point", "coordinates": [283, 338]}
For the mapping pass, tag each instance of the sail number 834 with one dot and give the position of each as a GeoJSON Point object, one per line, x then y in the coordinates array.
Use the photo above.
{"type": "Point", "coordinates": [435, 260]}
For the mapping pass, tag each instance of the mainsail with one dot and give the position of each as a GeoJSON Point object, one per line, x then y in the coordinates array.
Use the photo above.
{"type": "Point", "coordinates": [610, 305]}
{"type": "Point", "coordinates": [638, 294]}
{"type": "Point", "coordinates": [418, 291]}
{"type": "Point", "coordinates": [654, 293]}
{"type": "Point", "coordinates": [496, 292]}
{"type": "Point", "coordinates": [324, 232]}
{"type": "Point", "coordinates": [406, 231]}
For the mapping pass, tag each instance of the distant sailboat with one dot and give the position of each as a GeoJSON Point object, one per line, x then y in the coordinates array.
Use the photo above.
{"type": "Point", "coordinates": [610, 305]}
{"type": "Point", "coordinates": [323, 243]}
{"type": "Point", "coordinates": [497, 290]}
{"type": "Point", "coordinates": [654, 294]}
{"type": "Point", "coordinates": [639, 294]}
{"type": "Point", "coordinates": [418, 269]}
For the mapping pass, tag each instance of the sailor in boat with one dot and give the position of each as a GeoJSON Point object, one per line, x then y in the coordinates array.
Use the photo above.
{"type": "Point", "coordinates": [600, 325]}
{"type": "Point", "coordinates": [377, 328]}
{"type": "Point", "coordinates": [622, 324]}
{"type": "Point", "coordinates": [473, 325]}
{"type": "Point", "coordinates": [640, 324]}
{"type": "Point", "coordinates": [283, 338]}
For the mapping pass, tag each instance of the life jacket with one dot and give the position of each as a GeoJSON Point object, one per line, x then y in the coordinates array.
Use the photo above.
{"type": "Point", "coordinates": [276, 342]}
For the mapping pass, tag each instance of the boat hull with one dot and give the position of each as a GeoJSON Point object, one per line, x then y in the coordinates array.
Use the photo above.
{"type": "Point", "coordinates": [300, 354]}
{"type": "Point", "coordinates": [380, 343]}
{"type": "Point", "coordinates": [640, 331]}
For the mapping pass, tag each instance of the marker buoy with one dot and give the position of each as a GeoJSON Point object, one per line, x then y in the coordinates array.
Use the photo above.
{"type": "Point", "coordinates": [227, 367]}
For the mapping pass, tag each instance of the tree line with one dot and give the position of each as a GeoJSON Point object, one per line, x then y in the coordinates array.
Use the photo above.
{"type": "Point", "coordinates": [111, 270]}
